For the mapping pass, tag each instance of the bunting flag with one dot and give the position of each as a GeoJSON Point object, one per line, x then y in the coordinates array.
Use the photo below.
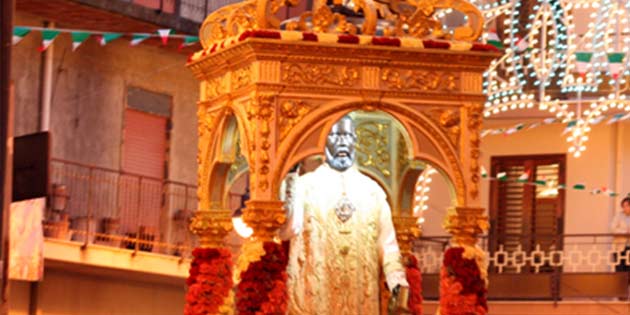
{"type": "Point", "coordinates": [540, 182]}
{"type": "Point", "coordinates": [138, 38]}
{"type": "Point", "coordinates": [582, 61]}
{"type": "Point", "coordinates": [615, 61]}
{"type": "Point", "coordinates": [526, 126]}
{"type": "Point", "coordinates": [522, 44]}
{"type": "Point", "coordinates": [484, 173]}
{"type": "Point", "coordinates": [78, 38]}
{"type": "Point", "coordinates": [19, 33]}
{"type": "Point", "coordinates": [494, 40]}
{"type": "Point", "coordinates": [523, 178]}
{"type": "Point", "coordinates": [502, 176]}
{"type": "Point", "coordinates": [570, 126]}
{"type": "Point", "coordinates": [188, 40]}
{"type": "Point", "coordinates": [164, 33]}
{"type": "Point", "coordinates": [108, 37]}
{"type": "Point", "coordinates": [515, 129]}
{"type": "Point", "coordinates": [597, 120]}
{"type": "Point", "coordinates": [48, 36]}
{"type": "Point", "coordinates": [615, 119]}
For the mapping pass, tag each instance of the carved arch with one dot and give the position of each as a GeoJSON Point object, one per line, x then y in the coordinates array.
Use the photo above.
{"type": "Point", "coordinates": [220, 153]}
{"type": "Point", "coordinates": [327, 114]}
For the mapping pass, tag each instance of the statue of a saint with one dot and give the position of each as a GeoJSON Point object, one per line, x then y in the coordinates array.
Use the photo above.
{"type": "Point", "coordinates": [341, 235]}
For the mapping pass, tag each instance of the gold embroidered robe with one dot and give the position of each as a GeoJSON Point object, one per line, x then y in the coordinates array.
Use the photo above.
{"type": "Point", "coordinates": [333, 265]}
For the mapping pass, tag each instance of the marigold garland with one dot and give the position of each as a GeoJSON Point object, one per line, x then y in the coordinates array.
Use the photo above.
{"type": "Point", "coordinates": [414, 277]}
{"type": "Point", "coordinates": [462, 289]}
{"type": "Point", "coordinates": [263, 289]}
{"type": "Point", "coordinates": [210, 281]}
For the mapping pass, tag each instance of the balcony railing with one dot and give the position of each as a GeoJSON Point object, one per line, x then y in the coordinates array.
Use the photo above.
{"type": "Point", "coordinates": [583, 266]}
{"type": "Point", "coordinates": [119, 209]}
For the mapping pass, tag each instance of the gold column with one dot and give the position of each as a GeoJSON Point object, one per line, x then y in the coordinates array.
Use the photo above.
{"type": "Point", "coordinates": [265, 218]}
{"type": "Point", "coordinates": [407, 231]}
{"type": "Point", "coordinates": [465, 224]}
{"type": "Point", "coordinates": [211, 226]}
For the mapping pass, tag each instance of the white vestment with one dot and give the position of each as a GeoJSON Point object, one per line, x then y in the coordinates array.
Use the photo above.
{"type": "Point", "coordinates": [334, 265]}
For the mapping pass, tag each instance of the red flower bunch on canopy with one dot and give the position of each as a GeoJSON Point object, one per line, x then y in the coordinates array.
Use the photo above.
{"type": "Point", "coordinates": [263, 289]}
{"type": "Point", "coordinates": [210, 281]}
{"type": "Point", "coordinates": [414, 277]}
{"type": "Point", "coordinates": [462, 290]}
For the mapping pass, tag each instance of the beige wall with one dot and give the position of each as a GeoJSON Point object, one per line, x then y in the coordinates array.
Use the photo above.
{"type": "Point", "coordinates": [67, 293]}
{"type": "Point", "coordinates": [606, 162]}
{"type": "Point", "coordinates": [89, 91]}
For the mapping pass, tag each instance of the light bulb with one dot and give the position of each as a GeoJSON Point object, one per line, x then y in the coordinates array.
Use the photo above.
{"type": "Point", "coordinates": [241, 228]}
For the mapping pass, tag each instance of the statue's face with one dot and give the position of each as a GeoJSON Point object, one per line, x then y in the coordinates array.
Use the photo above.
{"type": "Point", "coordinates": [340, 145]}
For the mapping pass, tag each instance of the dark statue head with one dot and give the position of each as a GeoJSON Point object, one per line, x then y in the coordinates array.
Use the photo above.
{"type": "Point", "coordinates": [340, 144]}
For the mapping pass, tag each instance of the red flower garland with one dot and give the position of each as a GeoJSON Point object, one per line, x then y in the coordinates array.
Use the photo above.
{"type": "Point", "coordinates": [259, 34]}
{"type": "Point", "coordinates": [386, 41]}
{"type": "Point", "coordinates": [210, 281]}
{"type": "Point", "coordinates": [347, 39]}
{"type": "Point", "coordinates": [429, 43]}
{"type": "Point", "coordinates": [483, 47]}
{"type": "Point", "coordinates": [462, 290]}
{"type": "Point", "coordinates": [263, 289]}
{"type": "Point", "coordinates": [309, 37]}
{"type": "Point", "coordinates": [414, 277]}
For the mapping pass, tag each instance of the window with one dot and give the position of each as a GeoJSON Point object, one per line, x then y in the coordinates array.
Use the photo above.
{"type": "Point", "coordinates": [144, 160]}
{"type": "Point", "coordinates": [527, 208]}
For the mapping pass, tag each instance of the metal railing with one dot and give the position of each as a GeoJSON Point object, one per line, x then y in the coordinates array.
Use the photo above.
{"type": "Point", "coordinates": [558, 266]}
{"type": "Point", "coordinates": [114, 208]}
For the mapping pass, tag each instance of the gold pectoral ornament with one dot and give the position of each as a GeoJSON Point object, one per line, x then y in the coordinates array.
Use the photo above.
{"type": "Point", "coordinates": [344, 209]}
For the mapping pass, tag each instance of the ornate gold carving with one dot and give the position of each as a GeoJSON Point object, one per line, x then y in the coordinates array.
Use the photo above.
{"type": "Point", "coordinates": [422, 80]}
{"type": "Point", "coordinates": [407, 230]}
{"type": "Point", "coordinates": [264, 217]}
{"type": "Point", "coordinates": [475, 118]}
{"type": "Point", "coordinates": [213, 88]}
{"type": "Point", "coordinates": [241, 78]}
{"type": "Point", "coordinates": [260, 112]}
{"type": "Point", "coordinates": [448, 120]}
{"type": "Point", "coordinates": [211, 226]}
{"type": "Point", "coordinates": [414, 18]}
{"type": "Point", "coordinates": [323, 21]}
{"type": "Point", "coordinates": [228, 21]}
{"type": "Point", "coordinates": [313, 74]}
{"type": "Point", "coordinates": [465, 224]}
{"type": "Point", "coordinates": [291, 113]}
{"type": "Point", "coordinates": [373, 146]}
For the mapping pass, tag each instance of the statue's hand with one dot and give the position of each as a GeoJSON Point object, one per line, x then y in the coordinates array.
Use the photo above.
{"type": "Point", "coordinates": [398, 301]}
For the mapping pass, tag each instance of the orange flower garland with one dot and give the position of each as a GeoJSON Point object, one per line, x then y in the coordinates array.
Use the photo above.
{"type": "Point", "coordinates": [263, 288]}
{"type": "Point", "coordinates": [462, 290]}
{"type": "Point", "coordinates": [210, 281]}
